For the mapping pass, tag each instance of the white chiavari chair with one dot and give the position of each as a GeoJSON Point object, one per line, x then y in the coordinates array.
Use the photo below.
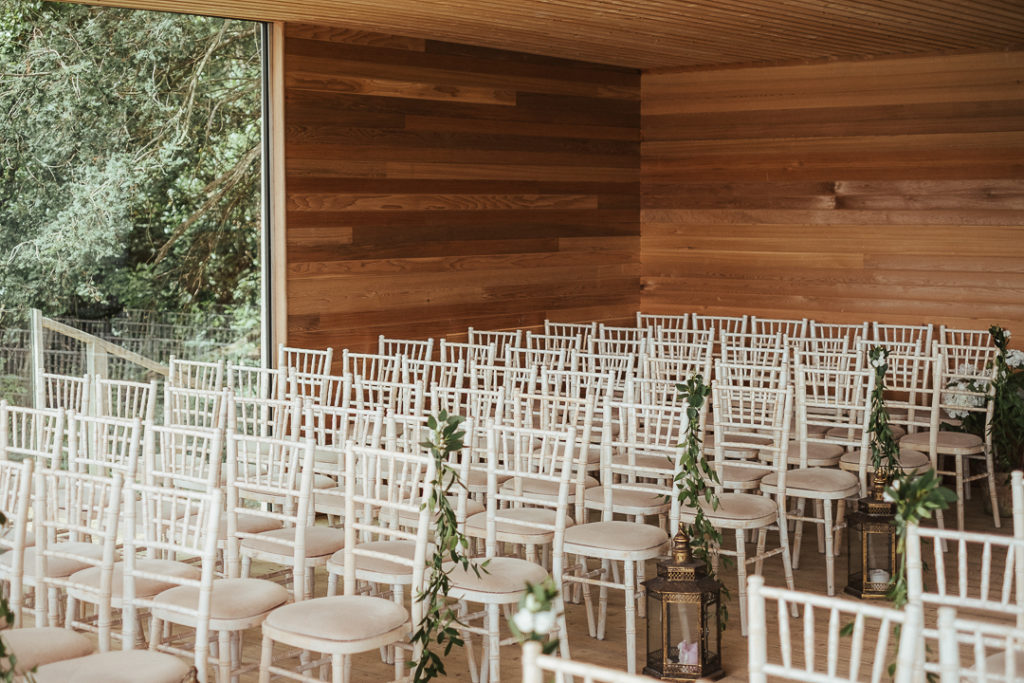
{"type": "Point", "coordinates": [30, 433]}
{"type": "Point", "coordinates": [637, 488]}
{"type": "Point", "coordinates": [535, 665]}
{"type": "Point", "coordinates": [331, 429]}
{"type": "Point", "coordinates": [896, 336]}
{"type": "Point", "coordinates": [38, 646]}
{"type": "Point", "coordinates": [952, 336]}
{"type": "Point", "coordinates": [453, 352]}
{"type": "Point", "coordinates": [374, 367]}
{"type": "Point", "coordinates": [279, 472]}
{"type": "Point", "coordinates": [523, 357]}
{"type": "Point", "coordinates": [500, 339]}
{"type": "Point", "coordinates": [408, 398]}
{"type": "Point", "coordinates": [678, 368]}
{"type": "Point", "coordinates": [503, 378]}
{"type": "Point", "coordinates": [624, 334]}
{"type": "Point", "coordinates": [688, 343]}
{"type": "Point", "coordinates": [183, 525]}
{"type": "Point", "coordinates": [722, 323]}
{"type": "Point", "coordinates": [848, 331]}
{"type": "Point", "coordinates": [620, 343]}
{"type": "Point", "coordinates": [342, 625]}
{"type": "Point", "coordinates": [416, 349]}
{"type": "Point", "coordinates": [195, 407]}
{"type": "Point", "coordinates": [620, 366]}
{"type": "Point", "coordinates": [834, 352]}
{"type": "Point", "coordinates": [568, 342]}
{"type": "Point", "coordinates": [15, 497]}
{"type": "Point", "coordinates": [755, 367]}
{"type": "Point", "coordinates": [194, 374]}
{"type": "Point", "coordinates": [76, 520]}
{"type": "Point", "coordinates": [658, 321]}
{"type": "Point", "coordinates": [124, 399]}
{"type": "Point", "coordinates": [829, 655]}
{"type": "Point", "coordinates": [735, 345]}
{"type": "Point", "coordinates": [430, 373]}
{"type": "Point", "coordinates": [996, 650]}
{"type": "Point", "coordinates": [829, 398]}
{"type": "Point", "coordinates": [121, 666]}
{"type": "Point", "coordinates": [785, 327]}
{"type": "Point", "coordinates": [104, 445]}
{"type": "Point", "coordinates": [740, 411]}
{"type": "Point", "coordinates": [512, 517]}
{"type": "Point", "coordinates": [317, 388]}
{"type": "Point", "coordinates": [961, 386]}
{"type": "Point", "coordinates": [313, 361]}
{"type": "Point", "coordinates": [64, 391]}
{"type": "Point", "coordinates": [256, 382]}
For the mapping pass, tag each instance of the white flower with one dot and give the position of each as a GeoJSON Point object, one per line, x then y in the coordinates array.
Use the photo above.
{"type": "Point", "coordinates": [524, 621]}
{"type": "Point", "coordinates": [878, 362]}
{"type": "Point", "coordinates": [543, 622]}
{"type": "Point", "coordinates": [531, 603]}
{"type": "Point", "coordinates": [894, 487]}
{"type": "Point", "coordinates": [1015, 358]}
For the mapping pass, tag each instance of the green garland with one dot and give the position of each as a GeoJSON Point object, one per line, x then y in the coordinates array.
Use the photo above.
{"type": "Point", "coordinates": [1007, 425]}
{"type": "Point", "coordinates": [439, 618]}
{"type": "Point", "coordinates": [884, 448]}
{"type": "Point", "coordinates": [8, 661]}
{"type": "Point", "coordinates": [695, 479]}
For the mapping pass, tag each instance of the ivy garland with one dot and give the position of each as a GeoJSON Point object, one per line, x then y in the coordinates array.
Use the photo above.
{"type": "Point", "coordinates": [1007, 424]}
{"type": "Point", "coordinates": [884, 448]}
{"type": "Point", "coordinates": [438, 625]}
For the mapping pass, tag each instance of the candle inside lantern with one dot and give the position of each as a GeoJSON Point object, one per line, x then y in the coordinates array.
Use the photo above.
{"type": "Point", "coordinates": [878, 576]}
{"type": "Point", "coordinates": [688, 652]}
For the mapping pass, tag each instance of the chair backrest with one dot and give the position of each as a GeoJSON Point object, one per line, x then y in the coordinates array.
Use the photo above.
{"type": "Point", "coordinates": [657, 321]}
{"type": "Point", "coordinates": [195, 407]}
{"type": "Point", "coordinates": [270, 471]}
{"type": "Point", "coordinates": [403, 397]}
{"type": "Point", "coordinates": [786, 327]}
{"type": "Point", "coordinates": [503, 377]}
{"type": "Point", "coordinates": [500, 339]}
{"type": "Point", "coordinates": [739, 342]}
{"type": "Point", "coordinates": [480, 405]}
{"type": "Point", "coordinates": [678, 368]}
{"type": "Point", "coordinates": [432, 373]}
{"type": "Point", "coordinates": [383, 490]}
{"type": "Point", "coordinates": [575, 383]}
{"type": "Point", "coordinates": [767, 368]}
{"type": "Point", "coordinates": [683, 344]}
{"type": "Point", "coordinates": [124, 399]}
{"type": "Point", "coordinates": [316, 387]}
{"type": "Point", "coordinates": [620, 344]}
{"type": "Point", "coordinates": [179, 525]}
{"type": "Point", "coordinates": [964, 337]}
{"type": "Point", "coordinates": [744, 412]}
{"type": "Point", "coordinates": [835, 353]}
{"type": "Point", "coordinates": [15, 497]}
{"type": "Point", "coordinates": [721, 323]}
{"type": "Point", "coordinates": [894, 336]}
{"type": "Point", "coordinates": [584, 330]}
{"type": "Point", "coordinates": [103, 445]}
{"type": "Point", "coordinates": [621, 366]}
{"type": "Point", "coordinates": [65, 391]}
{"type": "Point", "coordinates": [417, 349]}
{"type": "Point", "coordinates": [276, 418]}
{"type": "Point", "coordinates": [331, 428]}
{"type": "Point", "coordinates": [523, 357]}
{"type": "Point", "coordinates": [30, 433]}
{"type": "Point", "coordinates": [847, 331]}
{"type": "Point", "coordinates": [317, 361]}
{"type": "Point", "coordinates": [826, 652]}
{"type": "Point", "coordinates": [568, 342]}
{"type": "Point", "coordinates": [184, 457]}
{"type": "Point", "coordinates": [372, 366]}
{"type": "Point", "coordinates": [452, 352]}
{"type": "Point", "coordinates": [194, 374]}
{"type": "Point", "coordinates": [256, 382]}
{"type": "Point", "coordinates": [995, 650]}
{"type": "Point", "coordinates": [962, 385]}
{"type": "Point", "coordinates": [536, 664]}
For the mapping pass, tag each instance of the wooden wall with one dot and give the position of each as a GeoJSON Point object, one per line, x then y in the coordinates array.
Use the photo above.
{"type": "Point", "coordinates": [433, 186]}
{"type": "Point", "coordinates": [890, 190]}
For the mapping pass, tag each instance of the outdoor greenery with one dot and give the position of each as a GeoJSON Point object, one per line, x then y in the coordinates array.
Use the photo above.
{"type": "Point", "coordinates": [129, 160]}
{"type": "Point", "coordinates": [1007, 424]}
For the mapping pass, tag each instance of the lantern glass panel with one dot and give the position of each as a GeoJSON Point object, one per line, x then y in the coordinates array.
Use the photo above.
{"type": "Point", "coordinates": [655, 642]}
{"type": "Point", "coordinates": [879, 557]}
{"type": "Point", "coordinates": [855, 538]}
{"type": "Point", "coordinates": [684, 632]}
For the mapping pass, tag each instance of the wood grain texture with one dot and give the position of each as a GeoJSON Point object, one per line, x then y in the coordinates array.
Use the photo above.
{"type": "Point", "coordinates": [890, 190]}
{"type": "Point", "coordinates": [430, 188]}
{"type": "Point", "coordinates": [643, 34]}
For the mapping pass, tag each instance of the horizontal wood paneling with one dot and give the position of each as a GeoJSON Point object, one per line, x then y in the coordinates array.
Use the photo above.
{"type": "Point", "coordinates": [889, 190]}
{"type": "Point", "coordinates": [430, 188]}
{"type": "Point", "coordinates": [638, 33]}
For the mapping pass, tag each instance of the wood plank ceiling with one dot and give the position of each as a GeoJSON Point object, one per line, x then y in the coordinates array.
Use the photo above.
{"type": "Point", "coordinates": [659, 34]}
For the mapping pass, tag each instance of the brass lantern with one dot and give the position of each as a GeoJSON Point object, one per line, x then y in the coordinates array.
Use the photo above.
{"type": "Point", "coordinates": [871, 540]}
{"type": "Point", "coordinates": [684, 638]}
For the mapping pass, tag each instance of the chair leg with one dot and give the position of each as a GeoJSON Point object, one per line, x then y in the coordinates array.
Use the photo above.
{"type": "Point", "coordinates": [840, 522]}
{"type": "Point", "coordinates": [337, 669]}
{"type": "Point", "coordinates": [787, 566]}
{"type": "Point", "coordinates": [494, 646]}
{"type": "Point", "coordinates": [223, 656]}
{"type": "Point", "coordinates": [741, 574]}
{"type": "Point", "coordinates": [819, 514]}
{"type": "Point", "coordinates": [798, 536]}
{"type": "Point", "coordinates": [332, 583]}
{"type": "Point", "coordinates": [629, 583]}
{"type": "Point", "coordinates": [959, 467]}
{"type": "Point", "coordinates": [588, 602]}
{"type": "Point", "coordinates": [830, 557]}
{"type": "Point", "coordinates": [266, 659]}
{"type": "Point", "coordinates": [991, 478]}
{"type": "Point", "coordinates": [602, 609]}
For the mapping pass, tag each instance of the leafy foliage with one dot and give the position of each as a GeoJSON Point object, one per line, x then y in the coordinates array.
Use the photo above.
{"type": "Point", "coordinates": [8, 661]}
{"type": "Point", "coordinates": [438, 625]}
{"type": "Point", "coordinates": [129, 159]}
{"type": "Point", "coordinates": [884, 447]}
{"type": "Point", "coordinates": [1007, 425]}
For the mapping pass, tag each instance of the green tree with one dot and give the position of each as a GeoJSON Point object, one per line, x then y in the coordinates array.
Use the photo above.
{"type": "Point", "coordinates": [129, 159]}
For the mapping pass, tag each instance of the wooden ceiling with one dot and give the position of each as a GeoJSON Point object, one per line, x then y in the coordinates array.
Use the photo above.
{"type": "Point", "coordinates": [661, 34]}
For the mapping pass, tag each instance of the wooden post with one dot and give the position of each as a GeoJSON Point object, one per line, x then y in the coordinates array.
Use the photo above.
{"type": "Point", "coordinates": [36, 337]}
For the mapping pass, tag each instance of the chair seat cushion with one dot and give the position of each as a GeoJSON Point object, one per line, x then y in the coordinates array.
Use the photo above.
{"type": "Point", "coordinates": [738, 511]}
{"type": "Point", "coordinates": [910, 460]}
{"type": "Point", "coordinates": [59, 567]}
{"type": "Point", "coordinates": [627, 501]}
{"type": "Point", "coordinates": [117, 666]}
{"type": "Point", "coordinates": [320, 541]}
{"type": "Point", "coordinates": [997, 665]}
{"type": "Point", "coordinates": [544, 489]}
{"type": "Point", "coordinates": [43, 645]}
{"type": "Point", "coordinates": [339, 618]}
{"type": "Point", "coordinates": [818, 454]}
{"type": "Point", "coordinates": [815, 482]}
{"type": "Point", "coordinates": [742, 477]}
{"type": "Point", "coordinates": [949, 443]}
{"type": "Point", "coordinates": [647, 460]}
{"type": "Point", "coordinates": [230, 599]}
{"type": "Point", "coordinates": [852, 433]}
{"type": "Point", "coordinates": [144, 587]}
{"type": "Point", "coordinates": [377, 565]}
{"type": "Point", "coordinates": [614, 535]}
{"type": "Point", "coordinates": [504, 577]}
{"type": "Point", "coordinates": [509, 530]}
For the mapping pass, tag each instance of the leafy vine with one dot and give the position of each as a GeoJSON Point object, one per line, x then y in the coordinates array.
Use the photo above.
{"type": "Point", "coordinates": [1007, 424]}
{"type": "Point", "coordinates": [438, 626]}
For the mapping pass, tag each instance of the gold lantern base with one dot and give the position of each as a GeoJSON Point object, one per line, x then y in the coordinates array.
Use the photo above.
{"type": "Point", "coordinates": [874, 517]}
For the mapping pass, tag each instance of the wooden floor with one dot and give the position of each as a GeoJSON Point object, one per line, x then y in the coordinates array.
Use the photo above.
{"type": "Point", "coordinates": [611, 651]}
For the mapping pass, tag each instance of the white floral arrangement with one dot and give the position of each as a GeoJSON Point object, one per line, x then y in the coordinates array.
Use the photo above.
{"type": "Point", "coordinates": [537, 615]}
{"type": "Point", "coordinates": [965, 393]}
